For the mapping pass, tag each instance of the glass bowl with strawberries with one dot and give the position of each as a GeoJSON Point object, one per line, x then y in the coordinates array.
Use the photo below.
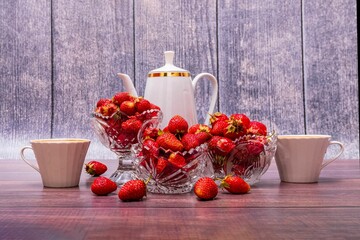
{"type": "Point", "coordinates": [240, 147]}
{"type": "Point", "coordinates": [173, 158]}
{"type": "Point", "coordinates": [116, 122]}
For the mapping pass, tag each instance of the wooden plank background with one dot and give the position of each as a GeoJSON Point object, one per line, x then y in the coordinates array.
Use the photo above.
{"type": "Point", "coordinates": [290, 64]}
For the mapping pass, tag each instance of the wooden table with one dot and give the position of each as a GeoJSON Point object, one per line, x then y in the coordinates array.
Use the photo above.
{"type": "Point", "coordinates": [329, 209]}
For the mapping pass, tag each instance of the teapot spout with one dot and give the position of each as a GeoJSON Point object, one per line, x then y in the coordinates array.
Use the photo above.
{"type": "Point", "coordinates": [128, 84]}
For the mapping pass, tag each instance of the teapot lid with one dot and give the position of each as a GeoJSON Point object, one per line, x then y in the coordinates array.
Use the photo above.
{"type": "Point", "coordinates": [169, 70]}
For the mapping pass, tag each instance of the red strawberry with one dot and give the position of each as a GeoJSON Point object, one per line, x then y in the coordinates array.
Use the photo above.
{"type": "Point", "coordinates": [221, 145]}
{"type": "Point", "coordinates": [218, 116]}
{"type": "Point", "coordinates": [203, 137]}
{"type": "Point", "coordinates": [142, 105]}
{"type": "Point", "coordinates": [235, 184]}
{"type": "Point", "coordinates": [132, 190]}
{"type": "Point", "coordinates": [103, 186]}
{"type": "Point", "coordinates": [102, 102]}
{"type": "Point", "coordinates": [121, 97]}
{"type": "Point", "coordinates": [168, 141]}
{"type": "Point", "coordinates": [241, 120]}
{"type": "Point", "coordinates": [153, 106]}
{"type": "Point", "coordinates": [190, 141]}
{"type": "Point", "coordinates": [161, 165]}
{"type": "Point", "coordinates": [178, 125]}
{"type": "Point", "coordinates": [198, 128]}
{"type": "Point", "coordinates": [254, 147]}
{"type": "Point", "coordinates": [128, 107]}
{"type": "Point", "coordinates": [219, 128]}
{"type": "Point", "coordinates": [205, 188]}
{"type": "Point", "coordinates": [151, 132]}
{"type": "Point", "coordinates": [257, 128]}
{"type": "Point", "coordinates": [177, 159]}
{"type": "Point", "coordinates": [150, 148]}
{"type": "Point", "coordinates": [132, 125]}
{"type": "Point", "coordinates": [107, 109]}
{"type": "Point", "coordinates": [95, 168]}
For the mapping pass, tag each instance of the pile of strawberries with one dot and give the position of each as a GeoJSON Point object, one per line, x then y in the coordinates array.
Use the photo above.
{"type": "Point", "coordinates": [178, 146]}
{"type": "Point", "coordinates": [236, 140]}
{"type": "Point", "coordinates": [122, 116]}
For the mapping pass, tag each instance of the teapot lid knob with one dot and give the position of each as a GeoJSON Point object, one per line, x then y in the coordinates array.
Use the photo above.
{"type": "Point", "coordinates": [169, 57]}
{"type": "Point", "coordinates": [169, 66]}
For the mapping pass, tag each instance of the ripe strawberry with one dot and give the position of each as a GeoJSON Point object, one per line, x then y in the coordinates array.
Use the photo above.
{"type": "Point", "coordinates": [128, 107]}
{"type": "Point", "coordinates": [240, 120]}
{"type": "Point", "coordinates": [102, 102]}
{"type": "Point", "coordinates": [95, 168]}
{"type": "Point", "coordinates": [121, 97]}
{"type": "Point", "coordinates": [168, 141]}
{"type": "Point", "coordinates": [132, 125]}
{"type": "Point", "coordinates": [178, 125]}
{"type": "Point", "coordinates": [218, 116]}
{"type": "Point", "coordinates": [153, 106]}
{"type": "Point", "coordinates": [198, 128]}
{"type": "Point", "coordinates": [103, 186]}
{"type": "Point", "coordinates": [177, 159]}
{"type": "Point", "coordinates": [254, 147]}
{"type": "Point", "coordinates": [219, 128]}
{"type": "Point", "coordinates": [150, 148]}
{"type": "Point", "coordinates": [151, 132]}
{"type": "Point", "coordinates": [107, 109]}
{"type": "Point", "coordinates": [189, 141]}
{"type": "Point", "coordinates": [221, 145]}
{"type": "Point", "coordinates": [235, 184]}
{"type": "Point", "coordinates": [142, 105]}
{"type": "Point", "coordinates": [257, 128]}
{"type": "Point", "coordinates": [161, 165]}
{"type": "Point", "coordinates": [132, 190]}
{"type": "Point", "coordinates": [203, 137]}
{"type": "Point", "coordinates": [205, 188]}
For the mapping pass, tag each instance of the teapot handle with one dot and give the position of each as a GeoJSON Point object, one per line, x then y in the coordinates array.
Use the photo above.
{"type": "Point", "coordinates": [214, 94]}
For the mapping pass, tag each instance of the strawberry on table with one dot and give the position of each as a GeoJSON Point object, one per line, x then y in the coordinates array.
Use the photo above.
{"type": "Point", "coordinates": [132, 190]}
{"type": "Point", "coordinates": [95, 168]}
{"type": "Point", "coordinates": [235, 184]}
{"type": "Point", "coordinates": [205, 188]}
{"type": "Point", "coordinates": [103, 186]}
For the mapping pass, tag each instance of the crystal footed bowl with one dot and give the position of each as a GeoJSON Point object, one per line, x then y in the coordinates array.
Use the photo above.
{"type": "Point", "coordinates": [112, 134]}
{"type": "Point", "coordinates": [163, 176]}
{"type": "Point", "coordinates": [249, 159]}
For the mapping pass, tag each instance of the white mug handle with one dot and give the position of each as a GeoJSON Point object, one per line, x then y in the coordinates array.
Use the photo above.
{"type": "Point", "coordinates": [23, 157]}
{"type": "Point", "coordinates": [327, 162]}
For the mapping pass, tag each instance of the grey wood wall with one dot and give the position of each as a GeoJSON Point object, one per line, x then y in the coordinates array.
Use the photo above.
{"type": "Point", "coordinates": [291, 64]}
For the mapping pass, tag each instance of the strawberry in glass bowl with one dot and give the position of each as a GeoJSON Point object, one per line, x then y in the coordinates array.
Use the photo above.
{"type": "Point", "coordinates": [117, 122]}
{"type": "Point", "coordinates": [240, 147]}
{"type": "Point", "coordinates": [173, 158]}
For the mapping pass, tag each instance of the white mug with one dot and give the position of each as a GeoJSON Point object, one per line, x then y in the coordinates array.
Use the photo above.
{"type": "Point", "coordinates": [300, 158]}
{"type": "Point", "coordinates": [60, 161]}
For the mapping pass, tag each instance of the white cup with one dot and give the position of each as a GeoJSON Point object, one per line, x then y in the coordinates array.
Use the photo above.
{"type": "Point", "coordinates": [300, 158]}
{"type": "Point", "coordinates": [60, 161]}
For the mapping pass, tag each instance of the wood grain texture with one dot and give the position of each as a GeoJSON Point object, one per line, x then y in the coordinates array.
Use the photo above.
{"type": "Point", "coordinates": [272, 210]}
{"type": "Point", "coordinates": [290, 64]}
{"type": "Point", "coordinates": [92, 42]}
{"type": "Point", "coordinates": [186, 27]}
{"type": "Point", "coordinates": [330, 61]}
{"type": "Point", "coordinates": [260, 62]}
{"type": "Point", "coordinates": [25, 73]}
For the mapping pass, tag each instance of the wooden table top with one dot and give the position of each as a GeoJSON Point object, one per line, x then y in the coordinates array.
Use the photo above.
{"type": "Point", "coordinates": [329, 209]}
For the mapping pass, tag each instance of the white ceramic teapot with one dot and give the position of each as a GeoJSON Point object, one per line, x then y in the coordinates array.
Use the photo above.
{"type": "Point", "coordinates": [172, 89]}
